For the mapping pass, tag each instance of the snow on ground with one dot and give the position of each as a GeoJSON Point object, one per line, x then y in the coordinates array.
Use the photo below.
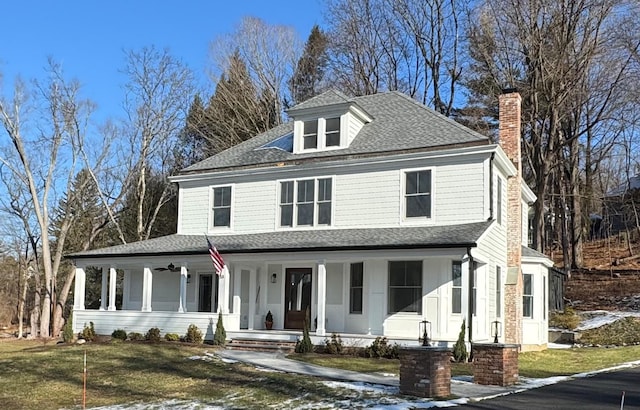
{"type": "Point", "coordinates": [597, 318]}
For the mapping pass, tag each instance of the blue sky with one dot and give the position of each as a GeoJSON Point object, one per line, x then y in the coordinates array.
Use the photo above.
{"type": "Point", "coordinates": [88, 37]}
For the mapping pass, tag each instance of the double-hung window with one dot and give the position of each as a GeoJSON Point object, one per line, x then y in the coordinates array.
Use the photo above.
{"type": "Point", "coordinates": [221, 207]}
{"type": "Point", "coordinates": [305, 202]}
{"type": "Point", "coordinates": [527, 296]}
{"type": "Point", "coordinates": [310, 135]}
{"type": "Point", "coordinates": [405, 286]}
{"type": "Point", "coordinates": [456, 287]}
{"type": "Point", "coordinates": [332, 132]}
{"type": "Point", "coordinates": [418, 194]}
{"type": "Point", "coordinates": [355, 287]}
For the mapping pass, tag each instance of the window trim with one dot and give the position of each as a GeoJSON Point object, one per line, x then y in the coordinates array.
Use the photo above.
{"type": "Point", "coordinates": [210, 222]}
{"type": "Point", "coordinates": [316, 203]}
{"type": "Point", "coordinates": [416, 220]}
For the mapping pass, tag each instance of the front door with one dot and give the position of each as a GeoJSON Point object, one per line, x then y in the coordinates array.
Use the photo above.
{"type": "Point", "coordinates": [297, 299]}
{"type": "Point", "coordinates": [205, 293]}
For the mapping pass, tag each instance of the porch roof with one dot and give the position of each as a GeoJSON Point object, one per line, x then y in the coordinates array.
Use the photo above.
{"type": "Point", "coordinates": [448, 236]}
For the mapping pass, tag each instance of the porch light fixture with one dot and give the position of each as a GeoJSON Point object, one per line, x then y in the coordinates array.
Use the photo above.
{"type": "Point", "coordinates": [274, 277]}
{"type": "Point", "coordinates": [496, 329]}
{"type": "Point", "coordinates": [188, 278]}
{"type": "Point", "coordinates": [171, 267]}
{"type": "Point", "coordinates": [424, 329]}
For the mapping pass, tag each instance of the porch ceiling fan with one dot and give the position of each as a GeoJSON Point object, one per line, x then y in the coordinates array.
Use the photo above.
{"type": "Point", "coordinates": [171, 267]}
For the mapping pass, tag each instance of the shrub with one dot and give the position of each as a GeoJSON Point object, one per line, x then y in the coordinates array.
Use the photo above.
{"type": "Point", "coordinates": [220, 337]}
{"type": "Point", "coordinates": [567, 319]}
{"type": "Point", "coordinates": [622, 332]}
{"type": "Point", "coordinates": [88, 333]}
{"type": "Point", "coordinates": [119, 334]}
{"type": "Point", "coordinates": [460, 348]}
{"type": "Point", "coordinates": [380, 348]}
{"type": "Point", "coordinates": [194, 335]}
{"type": "Point", "coordinates": [304, 345]}
{"type": "Point", "coordinates": [67, 330]}
{"type": "Point", "coordinates": [172, 337]}
{"type": "Point", "coordinates": [135, 336]}
{"type": "Point", "coordinates": [334, 345]}
{"type": "Point", "coordinates": [153, 335]}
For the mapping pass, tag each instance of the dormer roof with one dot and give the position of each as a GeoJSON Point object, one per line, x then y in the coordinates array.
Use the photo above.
{"type": "Point", "coordinates": [325, 100]}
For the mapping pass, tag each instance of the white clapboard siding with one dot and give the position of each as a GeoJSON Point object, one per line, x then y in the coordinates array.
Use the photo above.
{"type": "Point", "coordinates": [194, 208]}
{"type": "Point", "coordinates": [459, 193]}
{"type": "Point", "coordinates": [355, 125]}
{"type": "Point", "coordinates": [367, 199]}
{"type": "Point", "coordinates": [254, 207]}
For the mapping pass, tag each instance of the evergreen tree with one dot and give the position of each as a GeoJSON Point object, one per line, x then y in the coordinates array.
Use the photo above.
{"type": "Point", "coordinates": [220, 337]}
{"type": "Point", "coordinates": [194, 136]}
{"type": "Point", "coordinates": [306, 81]}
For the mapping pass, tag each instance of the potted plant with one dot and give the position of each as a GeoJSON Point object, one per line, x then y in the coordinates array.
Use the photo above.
{"type": "Point", "coordinates": [268, 321]}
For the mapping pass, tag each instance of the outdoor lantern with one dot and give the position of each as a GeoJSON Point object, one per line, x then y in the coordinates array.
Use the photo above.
{"type": "Point", "coordinates": [496, 330]}
{"type": "Point", "coordinates": [425, 329]}
{"type": "Point", "coordinates": [274, 278]}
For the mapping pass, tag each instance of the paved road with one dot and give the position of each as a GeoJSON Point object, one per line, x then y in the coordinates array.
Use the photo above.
{"type": "Point", "coordinates": [602, 391]}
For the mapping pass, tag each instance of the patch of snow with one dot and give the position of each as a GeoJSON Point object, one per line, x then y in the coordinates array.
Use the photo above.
{"type": "Point", "coordinates": [598, 318]}
{"type": "Point", "coordinates": [203, 358]}
{"type": "Point", "coordinates": [169, 404]}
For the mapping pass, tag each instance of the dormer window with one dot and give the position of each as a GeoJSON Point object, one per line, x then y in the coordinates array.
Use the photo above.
{"type": "Point", "coordinates": [310, 135]}
{"type": "Point", "coordinates": [319, 134]}
{"type": "Point", "coordinates": [332, 132]}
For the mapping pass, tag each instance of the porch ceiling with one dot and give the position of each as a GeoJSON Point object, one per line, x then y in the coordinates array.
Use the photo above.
{"type": "Point", "coordinates": [449, 236]}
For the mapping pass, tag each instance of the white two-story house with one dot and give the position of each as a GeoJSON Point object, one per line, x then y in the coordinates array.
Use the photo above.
{"type": "Point", "coordinates": [369, 214]}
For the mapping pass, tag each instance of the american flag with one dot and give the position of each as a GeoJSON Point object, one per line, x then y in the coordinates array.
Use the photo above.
{"type": "Point", "coordinates": [218, 262]}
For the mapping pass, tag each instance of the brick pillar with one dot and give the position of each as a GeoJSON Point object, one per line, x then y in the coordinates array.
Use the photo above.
{"type": "Point", "coordinates": [425, 371]}
{"type": "Point", "coordinates": [510, 134]}
{"type": "Point", "coordinates": [495, 364]}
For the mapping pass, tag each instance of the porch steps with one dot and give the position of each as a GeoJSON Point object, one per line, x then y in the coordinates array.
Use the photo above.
{"type": "Point", "coordinates": [262, 345]}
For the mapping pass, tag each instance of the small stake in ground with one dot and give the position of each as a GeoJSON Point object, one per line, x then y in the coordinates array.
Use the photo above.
{"type": "Point", "coordinates": [84, 381]}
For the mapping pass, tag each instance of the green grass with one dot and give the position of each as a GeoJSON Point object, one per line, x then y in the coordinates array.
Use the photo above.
{"type": "Point", "coordinates": [36, 375]}
{"type": "Point", "coordinates": [551, 362]}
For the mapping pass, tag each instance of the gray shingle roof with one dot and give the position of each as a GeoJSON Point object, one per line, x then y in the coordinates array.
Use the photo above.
{"type": "Point", "coordinates": [399, 123]}
{"type": "Point", "coordinates": [532, 253]}
{"type": "Point", "coordinates": [331, 97]}
{"type": "Point", "coordinates": [298, 241]}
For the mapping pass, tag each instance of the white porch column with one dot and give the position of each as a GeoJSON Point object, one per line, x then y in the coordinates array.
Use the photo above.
{"type": "Point", "coordinates": [79, 289]}
{"type": "Point", "coordinates": [252, 298]}
{"type": "Point", "coordinates": [112, 287]}
{"type": "Point", "coordinates": [237, 284]}
{"type": "Point", "coordinates": [322, 297]}
{"type": "Point", "coordinates": [103, 290]}
{"type": "Point", "coordinates": [147, 286]}
{"type": "Point", "coordinates": [223, 291]}
{"type": "Point", "coordinates": [182, 307]}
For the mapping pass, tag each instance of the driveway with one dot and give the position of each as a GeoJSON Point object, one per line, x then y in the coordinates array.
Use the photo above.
{"type": "Point", "coordinates": [601, 391]}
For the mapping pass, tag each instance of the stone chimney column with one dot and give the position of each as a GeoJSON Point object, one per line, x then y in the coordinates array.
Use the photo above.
{"type": "Point", "coordinates": [510, 134]}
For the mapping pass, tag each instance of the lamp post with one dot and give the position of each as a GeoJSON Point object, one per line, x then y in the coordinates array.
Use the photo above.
{"type": "Point", "coordinates": [496, 330]}
{"type": "Point", "coordinates": [424, 330]}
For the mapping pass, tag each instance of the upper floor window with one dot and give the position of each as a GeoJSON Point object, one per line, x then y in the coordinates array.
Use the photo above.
{"type": "Point", "coordinates": [305, 202]}
{"type": "Point", "coordinates": [222, 206]}
{"type": "Point", "coordinates": [405, 286]}
{"type": "Point", "coordinates": [310, 135]}
{"type": "Point", "coordinates": [418, 194]}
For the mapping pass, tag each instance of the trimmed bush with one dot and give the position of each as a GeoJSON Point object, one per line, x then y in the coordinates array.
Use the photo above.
{"type": "Point", "coordinates": [460, 348]}
{"type": "Point", "coordinates": [334, 345]}
{"type": "Point", "coordinates": [194, 335]}
{"type": "Point", "coordinates": [304, 345]}
{"type": "Point", "coordinates": [220, 337]}
{"type": "Point", "coordinates": [380, 348]}
{"type": "Point", "coordinates": [88, 333]}
{"type": "Point", "coordinates": [172, 337]}
{"type": "Point", "coordinates": [136, 337]}
{"type": "Point", "coordinates": [153, 335]}
{"type": "Point", "coordinates": [119, 334]}
{"type": "Point", "coordinates": [67, 330]}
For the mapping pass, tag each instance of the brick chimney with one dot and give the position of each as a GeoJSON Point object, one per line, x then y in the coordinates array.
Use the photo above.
{"type": "Point", "coordinates": [510, 134]}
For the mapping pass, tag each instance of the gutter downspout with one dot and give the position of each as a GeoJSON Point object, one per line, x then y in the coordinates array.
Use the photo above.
{"type": "Point", "coordinates": [493, 154]}
{"type": "Point", "coordinates": [470, 295]}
